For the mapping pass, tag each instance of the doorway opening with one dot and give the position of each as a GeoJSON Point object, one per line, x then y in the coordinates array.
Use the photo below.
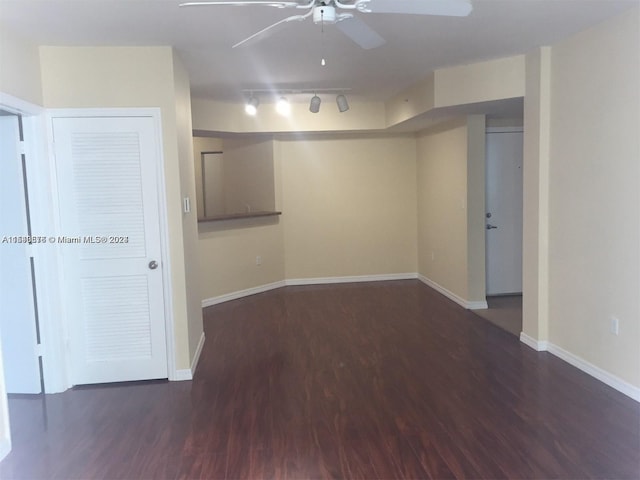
{"type": "Point", "coordinates": [504, 224]}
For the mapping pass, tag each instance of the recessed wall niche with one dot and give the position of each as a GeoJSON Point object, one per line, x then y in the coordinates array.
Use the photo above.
{"type": "Point", "coordinates": [234, 178]}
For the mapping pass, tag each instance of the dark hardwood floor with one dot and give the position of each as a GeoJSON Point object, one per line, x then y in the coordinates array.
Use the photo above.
{"type": "Point", "coordinates": [383, 380]}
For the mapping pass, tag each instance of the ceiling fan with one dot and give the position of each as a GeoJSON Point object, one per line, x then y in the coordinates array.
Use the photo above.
{"type": "Point", "coordinates": [335, 12]}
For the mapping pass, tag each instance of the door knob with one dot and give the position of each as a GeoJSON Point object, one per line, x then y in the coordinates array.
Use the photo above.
{"type": "Point", "coordinates": [489, 226]}
{"type": "Point", "coordinates": [153, 265]}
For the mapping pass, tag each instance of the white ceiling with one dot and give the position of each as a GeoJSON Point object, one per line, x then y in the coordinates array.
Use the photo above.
{"type": "Point", "coordinates": [290, 59]}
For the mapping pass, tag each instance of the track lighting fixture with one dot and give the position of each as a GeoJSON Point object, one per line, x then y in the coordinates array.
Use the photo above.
{"type": "Point", "coordinates": [251, 107]}
{"type": "Point", "coordinates": [343, 105]}
{"type": "Point", "coordinates": [282, 99]}
{"type": "Point", "coordinates": [314, 105]}
{"type": "Point", "coordinates": [283, 107]}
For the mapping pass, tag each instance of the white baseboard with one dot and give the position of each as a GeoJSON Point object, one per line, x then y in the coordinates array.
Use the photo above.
{"type": "Point", "coordinates": [537, 345]}
{"type": "Point", "coordinates": [196, 356]}
{"type": "Point", "coordinates": [5, 448]}
{"type": "Point", "coordinates": [208, 302]}
{"type": "Point", "coordinates": [596, 372]}
{"type": "Point", "coordinates": [352, 279]}
{"type": "Point", "coordinates": [469, 305]}
{"type": "Point", "coordinates": [477, 305]}
{"type": "Point", "coordinates": [580, 363]}
{"type": "Point", "coordinates": [187, 373]}
{"type": "Point", "coordinates": [182, 375]}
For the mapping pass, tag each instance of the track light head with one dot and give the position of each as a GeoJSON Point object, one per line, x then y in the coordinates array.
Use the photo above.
{"type": "Point", "coordinates": [283, 107]}
{"type": "Point", "coordinates": [314, 105]}
{"type": "Point", "coordinates": [343, 105]}
{"type": "Point", "coordinates": [251, 107]}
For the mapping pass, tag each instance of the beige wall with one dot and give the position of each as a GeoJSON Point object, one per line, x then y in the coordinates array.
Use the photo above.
{"type": "Point", "coordinates": [228, 253]}
{"type": "Point", "coordinates": [535, 235]}
{"type": "Point", "coordinates": [594, 195]}
{"type": "Point", "coordinates": [349, 206]}
{"type": "Point", "coordinates": [480, 82]}
{"type": "Point", "coordinates": [349, 209]}
{"type": "Point", "coordinates": [442, 206]}
{"type": "Point", "coordinates": [188, 189]}
{"type": "Point", "coordinates": [451, 191]}
{"type": "Point", "coordinates": [101, 77]}
{"type": "Point", "coordinates": [210, 115]}
{"type": "Point", "coordinates": [19, 67]}
{"type": "Point", "coordinates": [411, 102]}
{"type": "Point", "coordinates": [476, 220]}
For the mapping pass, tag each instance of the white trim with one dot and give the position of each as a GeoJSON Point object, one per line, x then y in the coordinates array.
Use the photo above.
{"type": "Point", "coordinates": [352, 279]}
{"type": "Point", "coordinates": [43, 220]}
{"type": "Point", "coordinates": [589, 368]}
{"type": "Point", "coordinates": [170, 336]}
{"type": "Point", "coordinates": [196, 356]}
{"type": "Point", "coordinates": [182, 375]}
{"type": "Point", "coordinates": [476, 305]}
{"type": "Point", "coordinates": [596, 372]}
{"type": "Point", "coordinates": [504, 130]}
{"type": "Point", "coordinates": [208, 302]}
{"type": "Point", "coordinates": [5, 448]}
{"type": "Point", "coordinates": [105, 112]}
{"type": "Point", "coordinates": [537, 345]}
{"type": "Point", "coordinates": [469, 305]}
{"type": "Point", "coordinates": [18, 106]}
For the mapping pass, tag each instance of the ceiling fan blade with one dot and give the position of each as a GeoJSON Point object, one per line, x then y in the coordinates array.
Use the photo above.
{"type": "Point", "coordinates": [270, 30]}
{"type": "Point", "coordinates": [451, 8]}
{"type": "Point", "coordinates": [360, 33]}
{"type": "Point", "coordinates": [267, 3]}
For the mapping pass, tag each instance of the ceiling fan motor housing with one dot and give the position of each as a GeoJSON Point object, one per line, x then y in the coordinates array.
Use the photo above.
{"type": "Point", "coordinates": [324, 14]}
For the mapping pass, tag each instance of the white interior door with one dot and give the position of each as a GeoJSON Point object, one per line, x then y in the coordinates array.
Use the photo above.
{"type": "Point", "coordinates": [17, 307]}
{"type": "Point", "coordinates": [504, 212]}
{"type": "Point", "coordinates": [108, 193]}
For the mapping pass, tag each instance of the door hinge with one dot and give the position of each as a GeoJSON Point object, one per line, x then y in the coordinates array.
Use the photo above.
{"type": "Point", "coordinates": [22, 148]}
{"type": "Point", "coordinates": [39, 350]}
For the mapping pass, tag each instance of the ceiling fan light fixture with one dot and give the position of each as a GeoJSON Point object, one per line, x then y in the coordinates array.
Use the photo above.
{"type": "Point", "coordinates": [324, 14]}
{"type": "Point", "coordinates": [283, 107]}
{"type": "Point", "coordinates": [251, 107]}
{"type": "Point", "coordinates": [314, 105]}
{"type": "Point", "coordinates": [343, 105]}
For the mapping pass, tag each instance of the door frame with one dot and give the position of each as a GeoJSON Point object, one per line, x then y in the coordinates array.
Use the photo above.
{"type": "Point", "coordinates": [46, 266]}
{"type": "Point", "coordinates": [155, 114]}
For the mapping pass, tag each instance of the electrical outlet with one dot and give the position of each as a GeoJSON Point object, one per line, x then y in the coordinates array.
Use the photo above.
{"type": "Point", "coordinates": [258, 260]}
{"type": "Point", "coordinates": [614, 326]}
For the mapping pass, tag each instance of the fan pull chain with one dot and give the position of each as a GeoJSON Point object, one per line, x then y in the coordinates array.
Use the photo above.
{"type": "Point", "coordinates": [323, 62]}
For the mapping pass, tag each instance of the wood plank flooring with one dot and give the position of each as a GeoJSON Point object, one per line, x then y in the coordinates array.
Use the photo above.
{"type": "Point", "coordinates": [374, 381]}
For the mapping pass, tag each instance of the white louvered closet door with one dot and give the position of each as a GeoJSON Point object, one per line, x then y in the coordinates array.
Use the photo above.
{"type": "Point", "coordinates": [109, 215]}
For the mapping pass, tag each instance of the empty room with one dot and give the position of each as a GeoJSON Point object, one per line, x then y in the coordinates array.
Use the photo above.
{"type": "Point", "coordinates": [307, 239]}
